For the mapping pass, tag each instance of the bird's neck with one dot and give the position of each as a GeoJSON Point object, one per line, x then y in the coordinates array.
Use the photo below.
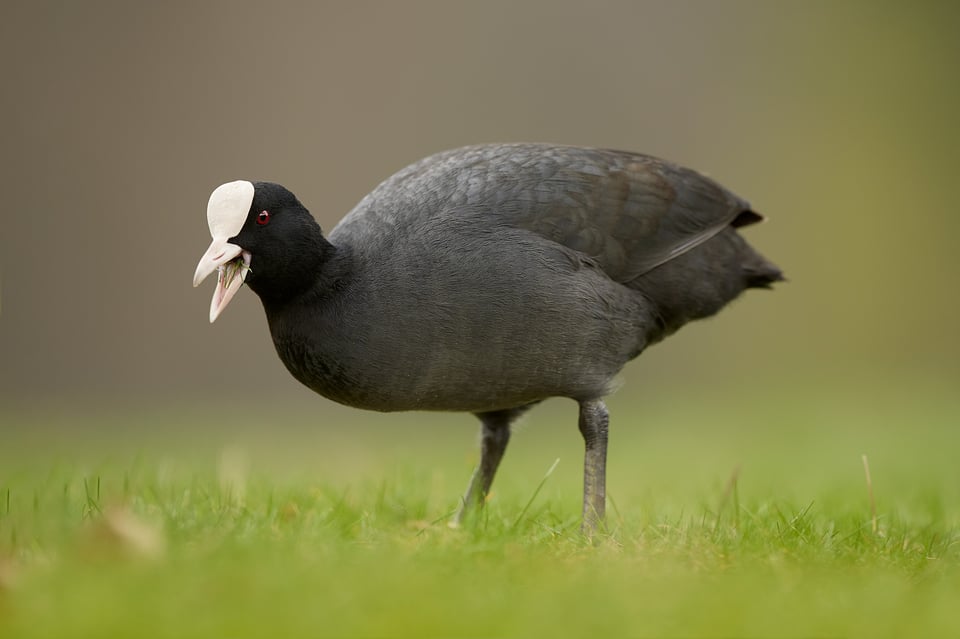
{"type": "Point", "coordinates": [311, 335]}
{"type": "Point", "coordinates": [308, 267]}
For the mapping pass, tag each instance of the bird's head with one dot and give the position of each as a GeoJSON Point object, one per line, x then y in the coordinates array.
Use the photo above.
{"type": "Point", "coordinates": [263, 236]}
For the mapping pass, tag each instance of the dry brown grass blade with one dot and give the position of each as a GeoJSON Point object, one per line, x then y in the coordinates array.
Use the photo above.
{"type": "Point", "coordinates": [120, 532]}
{"type": "Point", "coordinates": [873, 503]}
{"type": "Point", "coordinates": [730, 489]}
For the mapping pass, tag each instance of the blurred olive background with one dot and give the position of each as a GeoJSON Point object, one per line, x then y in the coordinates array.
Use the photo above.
{"type": "Point", "coordinates": [838, 120]}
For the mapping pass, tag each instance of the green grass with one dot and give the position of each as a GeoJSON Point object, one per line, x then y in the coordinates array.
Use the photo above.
{"type": "Point", "coordinates": [266, 526]}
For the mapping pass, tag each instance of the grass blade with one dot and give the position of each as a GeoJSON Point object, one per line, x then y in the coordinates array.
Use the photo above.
{"type": "Point", "coordinates": [536, 492]}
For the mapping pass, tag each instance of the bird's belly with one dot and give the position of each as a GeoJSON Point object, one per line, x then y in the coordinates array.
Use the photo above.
{"type": "Point", "coordinates": [493, 371]}
{"type": "Point", "coordinates": [471, 392]}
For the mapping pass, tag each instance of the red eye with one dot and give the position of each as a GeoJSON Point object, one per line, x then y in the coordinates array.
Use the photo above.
{"type": "Point", "coordinates": [263, 218]}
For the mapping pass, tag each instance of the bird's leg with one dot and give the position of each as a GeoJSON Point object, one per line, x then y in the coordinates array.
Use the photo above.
{"type": "Point", "coordinates": [495, 434]}
{"type": "Point", "coordinates": [594, 422]}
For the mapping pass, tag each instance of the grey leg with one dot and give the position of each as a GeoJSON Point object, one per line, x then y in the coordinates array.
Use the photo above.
{"type": "Point", "coordinates": [495, 433]}
{"type": "Point", "coordinates": [594, 422]}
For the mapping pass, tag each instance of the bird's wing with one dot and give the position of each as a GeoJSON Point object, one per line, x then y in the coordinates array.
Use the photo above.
{"type": "Point", "coordinates": [627, 212]}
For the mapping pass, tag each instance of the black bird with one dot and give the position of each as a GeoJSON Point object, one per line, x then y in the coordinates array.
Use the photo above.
{"type": "Point", "coordinates": [486, 279]}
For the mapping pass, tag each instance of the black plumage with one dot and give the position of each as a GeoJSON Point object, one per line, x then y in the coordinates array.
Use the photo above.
{"type": "Point", "coordinates": [488, 278]}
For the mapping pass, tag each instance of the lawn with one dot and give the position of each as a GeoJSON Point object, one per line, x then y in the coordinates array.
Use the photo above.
{"type": "Point", "coordinates": [727, 517]}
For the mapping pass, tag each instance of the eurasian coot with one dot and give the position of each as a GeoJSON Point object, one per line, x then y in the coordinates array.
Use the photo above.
{"type": "Point", "coordinates": [486, 279]}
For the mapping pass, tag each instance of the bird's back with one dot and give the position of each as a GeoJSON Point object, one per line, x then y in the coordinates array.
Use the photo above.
{"type": "Point", "coordinates": [629, 212]}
